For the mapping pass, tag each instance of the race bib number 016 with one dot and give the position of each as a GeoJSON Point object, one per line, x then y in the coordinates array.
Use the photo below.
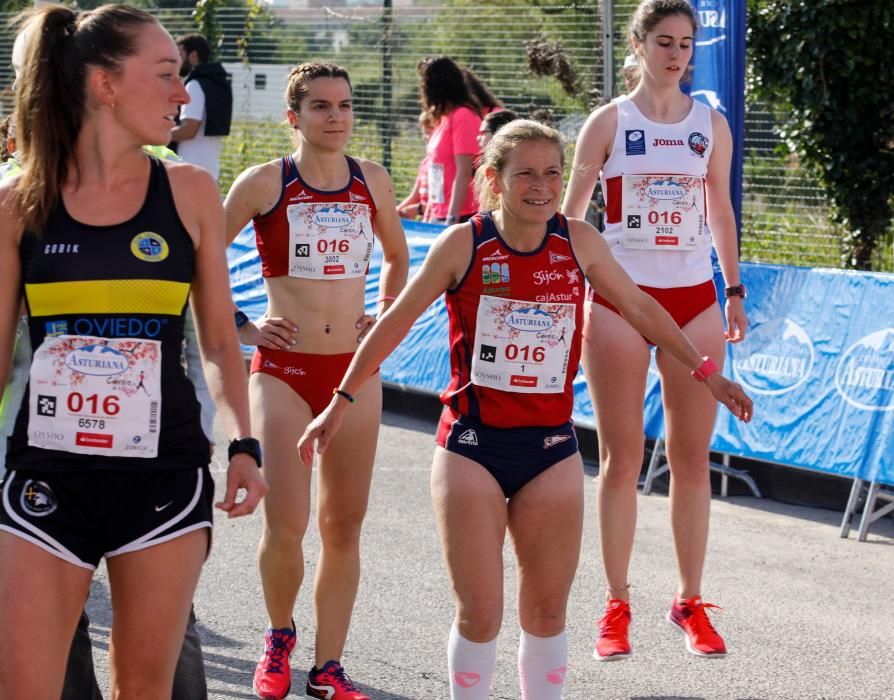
{"type": "Point", "coordinates": [329, 241]}
{"type": "Point", "coordinates": [522, 346]}
{"type": "Point", "coordinates": [96, 396]}
{"type": "Point", "coordinates": [663, 212]}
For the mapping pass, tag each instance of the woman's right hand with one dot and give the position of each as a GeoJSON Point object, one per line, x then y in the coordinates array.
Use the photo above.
{"type": "Point", "coordinates": [270, 332]}
{"type": "Point", "coordinates": [321, 430]}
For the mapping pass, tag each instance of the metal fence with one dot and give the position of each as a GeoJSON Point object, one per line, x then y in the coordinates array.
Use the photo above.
{"type": "Point", "coordinates": [540, 60]}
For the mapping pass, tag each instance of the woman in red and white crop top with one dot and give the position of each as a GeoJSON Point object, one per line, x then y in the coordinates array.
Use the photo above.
{"type": "Point", "coordinates": [316, 213]}
{"type": "Point", "coordinates": [664, 163]}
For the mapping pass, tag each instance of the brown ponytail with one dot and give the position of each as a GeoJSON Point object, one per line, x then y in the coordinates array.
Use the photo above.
{"type": "Point", "coordinates": [51, 92]}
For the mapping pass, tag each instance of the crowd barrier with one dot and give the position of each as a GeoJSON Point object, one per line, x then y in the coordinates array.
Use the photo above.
{"type": "Point", "coordinates": [818, 361]}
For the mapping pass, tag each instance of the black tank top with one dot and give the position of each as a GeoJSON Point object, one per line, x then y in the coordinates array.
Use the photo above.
{"type": "Point", "coordinates": [131, 281]}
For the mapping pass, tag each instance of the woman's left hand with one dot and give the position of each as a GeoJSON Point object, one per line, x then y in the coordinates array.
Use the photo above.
{"type": "Point", "coordinates": [736, 320]}
{"type": "Point", "coordinates": [731, 395]}
{"type": "Point", "coordinates": [321, 430]}
{"type": "Point", "coordinates": [363, 325]}
{"type": "Point", "coordinates": [243, 473]}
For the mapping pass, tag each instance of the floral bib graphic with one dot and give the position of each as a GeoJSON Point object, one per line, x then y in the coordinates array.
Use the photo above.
{"type": "Point", "coordinates": [329, 241]}
{"type": "Point", "coordinates": [96, 396]}
{"type": "Point", "coordinates": [522, 346]}
{"type": "Point", "coordinates": [663, 212]}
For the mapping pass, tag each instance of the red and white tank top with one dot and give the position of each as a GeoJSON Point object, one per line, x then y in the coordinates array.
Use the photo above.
{"type": "Point", "coordinates": [654, 188]}
{"type": "Point", "coordinates": [514, 324]}
{"type": "Point", "coordinates": [315, 234]}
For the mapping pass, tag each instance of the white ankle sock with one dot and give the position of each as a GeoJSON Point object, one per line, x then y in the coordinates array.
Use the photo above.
{"type": "Point", "coordinates": [542, 665]}
{"type": "Point", "coordinates": [471, 666]}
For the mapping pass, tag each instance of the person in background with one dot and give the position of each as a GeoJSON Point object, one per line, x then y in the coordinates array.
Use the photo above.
{"type": "Point", "coordinates": [205, 119]}
{"type": "Point", "coordinates": [415, 204]}
{"type": "Point", "coordinates": [491, 124]}
{"type": "Point", "coordinates": [664, 162]}
{"type": "Point", "coordinates": [453, 146]}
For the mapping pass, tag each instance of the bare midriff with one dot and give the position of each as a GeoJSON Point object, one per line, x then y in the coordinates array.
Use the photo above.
{"type": "Point", "coordinates": [326, 312]}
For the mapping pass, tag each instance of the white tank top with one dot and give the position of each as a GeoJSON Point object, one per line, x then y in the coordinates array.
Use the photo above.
{"type": "Point", "coordinates": [653, 184]}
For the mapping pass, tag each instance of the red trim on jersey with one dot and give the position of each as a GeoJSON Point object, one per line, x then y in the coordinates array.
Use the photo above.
{"type": "Point", "coordinates": [613, 188]}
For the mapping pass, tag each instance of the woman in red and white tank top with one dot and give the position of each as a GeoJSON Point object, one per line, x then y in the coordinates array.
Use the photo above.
{"type": "Point", "coordinates": [664, 162]}
{"type": "Point", "coordinates": [317, 213]}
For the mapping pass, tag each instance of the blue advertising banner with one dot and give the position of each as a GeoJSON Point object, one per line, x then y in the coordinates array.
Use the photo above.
{"type": "Point", "coordinates": [818, 362]}
{"type": "Point", "coordinates": [718, 79]}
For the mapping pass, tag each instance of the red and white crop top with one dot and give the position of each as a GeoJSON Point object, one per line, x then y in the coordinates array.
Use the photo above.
{"type": "Point", "coordinates": [315, 234]}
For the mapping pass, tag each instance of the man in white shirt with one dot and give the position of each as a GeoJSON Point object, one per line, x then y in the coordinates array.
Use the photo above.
{"type": "Point", "coordinates": [206, 119]}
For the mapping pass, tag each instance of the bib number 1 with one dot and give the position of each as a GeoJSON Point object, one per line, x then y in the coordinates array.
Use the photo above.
{"type": "Point", "coordinates": [522, 346]}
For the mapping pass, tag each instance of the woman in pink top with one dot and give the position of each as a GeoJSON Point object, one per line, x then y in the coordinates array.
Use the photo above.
{"type": "Point", "coordinates": [414, 204]}
{"type": "Point", "coordinates": [453, 144]}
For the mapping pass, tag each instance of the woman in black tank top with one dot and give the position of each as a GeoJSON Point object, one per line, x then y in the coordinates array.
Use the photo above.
{"type": "Point", "coordinates": [105, 245]}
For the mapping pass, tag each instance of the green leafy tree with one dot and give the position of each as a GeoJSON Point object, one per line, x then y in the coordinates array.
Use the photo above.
{"type": "Point", "coordinates": [13, 6]}
{"type": "Point", "coordinates": [207, 17]}
{"type": "Point", "coordinates": [828, 67]}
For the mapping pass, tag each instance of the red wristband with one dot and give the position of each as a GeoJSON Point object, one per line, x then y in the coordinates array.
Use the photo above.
{"type": "Point", "coordinates": [381, 300]}
{"type": "Point", "coordinates": [705, 369]}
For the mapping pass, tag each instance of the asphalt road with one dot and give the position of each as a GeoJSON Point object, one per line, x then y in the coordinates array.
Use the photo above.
{"type": "Point", "coordinates": [806, 614]}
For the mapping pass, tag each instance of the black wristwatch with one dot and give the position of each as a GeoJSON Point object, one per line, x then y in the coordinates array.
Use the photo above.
{"type": "Point", "coordinates": [246, 446]}
{"type": "Point", "coordinates": [737, 291]}
{"type": "Point", "coordinates": [241, 318]}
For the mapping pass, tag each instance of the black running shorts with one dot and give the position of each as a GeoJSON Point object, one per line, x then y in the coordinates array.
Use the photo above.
{"type": "Point", "coordinates": [83, 516]}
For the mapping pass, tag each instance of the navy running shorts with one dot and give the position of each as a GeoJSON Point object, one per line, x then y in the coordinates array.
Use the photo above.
{"type": "Point", "coordinates": [513, 456]}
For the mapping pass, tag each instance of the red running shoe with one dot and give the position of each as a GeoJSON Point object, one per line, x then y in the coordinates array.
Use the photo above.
{"type": "Point", "coordinates": [273, 677]}
{"type": "Point", "coordinates": [691, 618]}
{"type": "Point", "coordinates": [331, 683]}
{"type": "Point", "coordinates": [613, 643]}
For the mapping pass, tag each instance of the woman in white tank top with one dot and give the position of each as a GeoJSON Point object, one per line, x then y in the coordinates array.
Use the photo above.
{"type": "Point", "coordinates": [664, 162]}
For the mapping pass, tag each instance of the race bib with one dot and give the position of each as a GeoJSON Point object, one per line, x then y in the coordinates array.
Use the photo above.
{"type": "Point", "coordinates": [436, 184]}
{"type": "Point", "coordinates": [329, 241]}
{"type": "Point", "coordinates": [663, 212]}
{"type": "Point", "coordinates": [522, 346]}
{"type": "Point", "coordinates": [96, 396]}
